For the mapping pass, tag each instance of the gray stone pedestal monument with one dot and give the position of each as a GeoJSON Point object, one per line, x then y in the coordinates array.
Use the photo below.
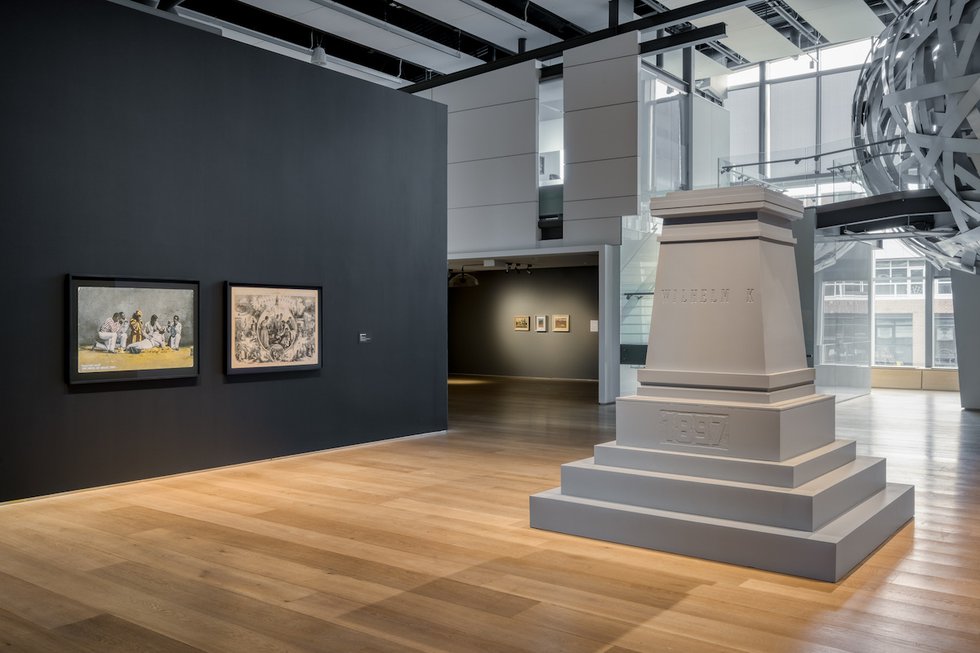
{"type": "Point", "coordinates": [726, 452]}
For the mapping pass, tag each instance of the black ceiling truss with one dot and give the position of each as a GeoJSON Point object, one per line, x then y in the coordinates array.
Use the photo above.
{"type": "Point", "coordinates": [301, 35]}
{"type": "Point", "coordinates": [539, 17]}
{"type": "Point", "coordinates": [652, 13]}
{"type": "Point", "coordinates": [547, 52]}
{"type": "Point", "coordinates": [427, 27]}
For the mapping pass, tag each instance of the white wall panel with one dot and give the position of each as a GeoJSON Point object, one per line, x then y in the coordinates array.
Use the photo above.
{"type": "Point", "coordinates": [494, 131]}
{"type": "Point", "coordinates": [601, 179]}
{"type": "Point", "coordinates": [612, 81]}
{"type": "Point", "coordinates": [624, 45]}
{"type": "Point", "coordinates": [601, 138]}
{"type": "Point", "coordinates": [601, 133]}
{"type": "Point", "coordinates": [488, 182]}
{"type": "Point", "coordinates": [510, 84]}
{"type": "Point", "coordinates": [596, 230]}
{"type": "Point", "coordinates": [489, 228]}
{"type": "Point", "coordinates": [597, 208]}
{"type": "Point", "coordinates": [492, 152]}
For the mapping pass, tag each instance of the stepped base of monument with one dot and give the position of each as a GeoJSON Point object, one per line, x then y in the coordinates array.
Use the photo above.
{"type": "Point", "coordinates": [827, 553]}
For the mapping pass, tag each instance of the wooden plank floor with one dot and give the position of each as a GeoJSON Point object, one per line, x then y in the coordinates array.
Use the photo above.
{"type": "Point", "coordinates": [423, 545]}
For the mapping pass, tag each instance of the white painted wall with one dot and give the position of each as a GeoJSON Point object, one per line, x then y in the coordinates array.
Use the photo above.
{"type": "Point", "coordinates": [493, 146]}
{"type": "Point", "coordinates": [551, 135]}
{"type": "Point", "coordinates": [601, 138]}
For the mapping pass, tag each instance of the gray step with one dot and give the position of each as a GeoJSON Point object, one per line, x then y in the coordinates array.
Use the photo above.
{"type": "Point", "coordinates": [826, 554]}
{"type": "Point", "coordinates": [807, 507]}
{"type": "Point", "coordinates": [788, 473]}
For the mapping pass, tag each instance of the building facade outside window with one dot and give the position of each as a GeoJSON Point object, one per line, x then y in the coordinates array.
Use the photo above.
{"type": "Point", "coordinates": [913, 310]}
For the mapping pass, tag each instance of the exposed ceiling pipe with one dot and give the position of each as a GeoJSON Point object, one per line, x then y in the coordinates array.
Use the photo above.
{"type": "Point", "coordinates": [670, 18]}
{"type": "Point", "coordinates": [809, 33]}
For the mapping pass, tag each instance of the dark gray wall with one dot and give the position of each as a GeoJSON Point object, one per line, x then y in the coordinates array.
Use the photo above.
{"type": "Point", "coordinates": [135, 146]}
{"type": "Point", "coordinates": [482, 339]}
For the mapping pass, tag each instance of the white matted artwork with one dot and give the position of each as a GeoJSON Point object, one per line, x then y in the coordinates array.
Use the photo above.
{"type": "Point", "coordinates": [522, 323]}
{"type": "Point", "coordinates": [560, 323]}
{"type": "Point", "coordinates": [541, 323]}
{"type": "Point", "coordinates": [273, 328]}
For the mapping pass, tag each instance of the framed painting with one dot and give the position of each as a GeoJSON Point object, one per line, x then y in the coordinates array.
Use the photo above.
{"type": "Point", "coordinates": [272, 328]}
{"type": "Point", "coordinates": [132, 329]}
{"type": "Point", "coordinates": [522, 323]}
{"type": "Point", "coordinates": [559, 323]}
{"type": "Point", "coordinates": [541, 323]}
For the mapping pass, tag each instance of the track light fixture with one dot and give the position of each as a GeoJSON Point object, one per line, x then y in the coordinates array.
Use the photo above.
{"type": "Point", "coordinates": [463, 280]}
{"type": "Point", "coordinates": [319, 57]}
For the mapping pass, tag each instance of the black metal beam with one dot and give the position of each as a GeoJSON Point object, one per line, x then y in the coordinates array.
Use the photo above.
{"type": "Point", "coordinates": [686, 39]}
{"type": "Point", "coordinates": [658, 21]}
{"type": "Point", "coordinates": [882, 211]}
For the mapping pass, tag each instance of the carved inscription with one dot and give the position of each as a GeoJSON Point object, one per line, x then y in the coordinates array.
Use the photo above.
{"type": "Point", "coordinates": [693, 295]}
{"type": "Point", "coordinates": [701, 295]}
{"type": "Point", "coordinates": [699, 429]}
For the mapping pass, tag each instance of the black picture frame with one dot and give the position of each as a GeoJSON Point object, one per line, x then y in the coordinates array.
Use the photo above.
{"type": "Point", "coordinates": [251, 318]}
{"type": "Point", "coordinates": [93, 299]}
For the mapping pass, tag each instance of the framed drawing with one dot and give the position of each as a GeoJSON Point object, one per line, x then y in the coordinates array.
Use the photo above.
{"type": "Point", "coordinates": [272, 328]}
{"type": "Point", "coordinates": [541, 323]}
{"type": "Point", "coordinates": [132, 329]}
{"type": "Point", "coordinates": [522, 323]}
{"type": "Point", "coordinates": [559, 323]}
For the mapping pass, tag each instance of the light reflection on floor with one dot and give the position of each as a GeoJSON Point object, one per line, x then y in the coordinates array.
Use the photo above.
{"type": "Point", "coordinates": [457, 380]}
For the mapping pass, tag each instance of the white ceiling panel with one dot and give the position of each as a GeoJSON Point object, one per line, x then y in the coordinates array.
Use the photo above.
{"type": "Point", "coordinates": [839, 20]}
{"type": "Point", "coordinates": [490, 25]}
{"type": "Point", "coordinates": [417, 49]}
{"type": "Point", "coordinates": [704, 66]}
{"type": "Point", "coordinates": [748, 35]}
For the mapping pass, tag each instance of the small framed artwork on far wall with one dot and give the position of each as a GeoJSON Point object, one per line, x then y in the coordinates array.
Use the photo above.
{"type": "Point", "coordinates": [559, 323]}
{"type": "Point", "coordinates": [541, 323]}
{"type": "Point", "coordinates": [522, 323]}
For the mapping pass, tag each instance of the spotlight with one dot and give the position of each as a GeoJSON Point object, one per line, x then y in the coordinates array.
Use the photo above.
{"type": "Point", "coordinates": [319, 57]}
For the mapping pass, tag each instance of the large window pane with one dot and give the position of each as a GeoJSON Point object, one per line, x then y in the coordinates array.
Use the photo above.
{"type": "Point", "coordinates": [843, 56]}
{"type": "Point", "coordinates": [943, 332]}
{"type": "Point", "coordinates": [792, 126]}
{"type": "Point", "coordinates": [791, 66]}
{"type": "Point", "coordinates": [899, 306]}
{"type": "Point", "coordinates": [836, 96]}
{"type": "Point", "coordinates": [944, 341]}
{"type": "Point", "coordinates": [743, 107]}
{"type": "Point", "coordinates": [893, 339]}
{"type": "Point", "coordinates": [748, 75]}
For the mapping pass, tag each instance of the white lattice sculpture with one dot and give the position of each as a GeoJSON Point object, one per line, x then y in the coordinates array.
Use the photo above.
{"type": "Point", "coordinates": [917, 113]}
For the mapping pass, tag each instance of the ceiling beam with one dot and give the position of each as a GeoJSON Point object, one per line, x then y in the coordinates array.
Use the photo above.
{"type": "Point", "coordinates": [686, 39]}
{"type": "Point", "coordinates": [657, 21]}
